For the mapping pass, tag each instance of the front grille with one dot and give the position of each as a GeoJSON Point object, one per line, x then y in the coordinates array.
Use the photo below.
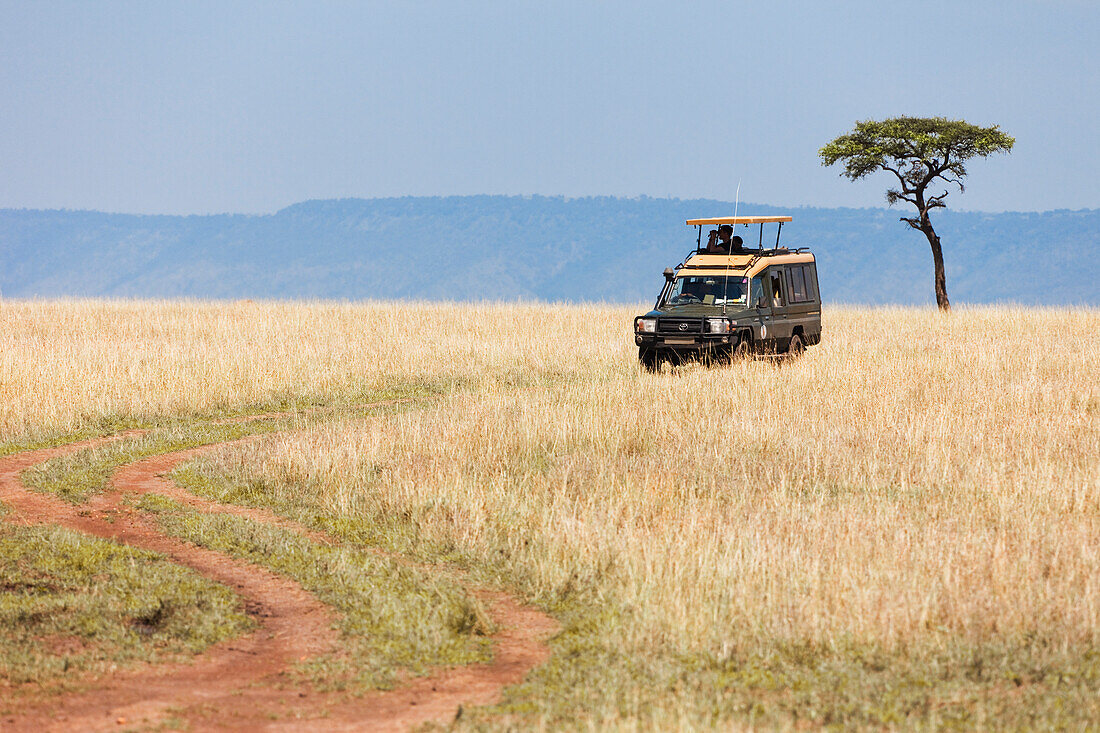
{"type": "Point", "coordinates": [680, 325]}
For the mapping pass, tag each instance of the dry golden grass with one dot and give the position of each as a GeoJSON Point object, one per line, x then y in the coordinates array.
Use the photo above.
{"type": "Point", "coordinates": [64, 364]}
{"type": "Point", "coordinates": [917, 481]}
{"type": "Point", "coordinates": [916, 475]}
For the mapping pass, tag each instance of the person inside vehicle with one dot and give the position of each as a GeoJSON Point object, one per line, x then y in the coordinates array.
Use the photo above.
{"type": "Point", "coordinates": [732, 245]}
{"type": "Point", "coordinates": [714, 247]}
{"type": "Point", "coordinates": [690, 290]}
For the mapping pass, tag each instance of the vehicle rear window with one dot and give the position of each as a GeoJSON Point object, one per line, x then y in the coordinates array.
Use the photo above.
{"type": "Point", "coordinates": [800, 282]}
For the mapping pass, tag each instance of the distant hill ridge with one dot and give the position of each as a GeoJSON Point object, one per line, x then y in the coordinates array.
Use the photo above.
{"type": "Point", "coordinates": [528, 247]}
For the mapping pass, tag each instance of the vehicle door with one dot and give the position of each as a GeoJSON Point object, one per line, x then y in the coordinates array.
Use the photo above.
{"type": "Point", "coordinates": [761, 304]}
{"type": "Point", "coordinates": [776, 284]}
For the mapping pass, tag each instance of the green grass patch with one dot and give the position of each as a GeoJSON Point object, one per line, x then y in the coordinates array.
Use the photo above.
{"type": "Point", "coordinates": [392, 617]}
{"type": "Point", "coordinates": [71, 603]}
{"type": "Point", "coordinates": [95, 426]}
{"type": "Point", "coordinates": [78, 476]}
{"type": "Point", "coordinates": [593, 682]}
{"type": "Point", "coordinates": [395, 532]}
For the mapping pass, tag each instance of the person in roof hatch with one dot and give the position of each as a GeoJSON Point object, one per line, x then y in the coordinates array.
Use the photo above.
{"type": "Point", "coordinates": [731, 244]}
{"type": "Point", "coordinates": [713, 247]}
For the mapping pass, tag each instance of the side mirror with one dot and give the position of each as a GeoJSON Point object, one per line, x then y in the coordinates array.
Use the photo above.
{"type": "Point", "coordinates": [669, 274]}
{"type": "Point", "coordinates": [762, 302]}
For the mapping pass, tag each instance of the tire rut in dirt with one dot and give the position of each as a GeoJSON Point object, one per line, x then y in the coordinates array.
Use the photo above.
{"type": "Point", "coordinates": [292, 623]}
{"type": "Point", "coordinates": [243, 684]}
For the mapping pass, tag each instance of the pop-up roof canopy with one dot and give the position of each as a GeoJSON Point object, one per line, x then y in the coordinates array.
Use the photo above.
{"type": "Point", "coordinates": [737, 220]}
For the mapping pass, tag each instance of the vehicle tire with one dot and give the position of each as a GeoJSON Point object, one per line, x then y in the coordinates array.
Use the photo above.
{"type": "Point", "coordinates": [649, 360]}
{"type": "Point", "coordinates": [796, 348]}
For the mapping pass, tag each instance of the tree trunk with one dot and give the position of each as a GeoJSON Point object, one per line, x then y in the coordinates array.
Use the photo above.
{"type": "Point", "coordinates": [937, 259]}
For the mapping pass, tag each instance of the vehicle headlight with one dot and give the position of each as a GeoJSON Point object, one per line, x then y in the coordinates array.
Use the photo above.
{"type": "Point", "coordinates": [718, 325]}
{"type": "Point", "coordinates": [645, 325]}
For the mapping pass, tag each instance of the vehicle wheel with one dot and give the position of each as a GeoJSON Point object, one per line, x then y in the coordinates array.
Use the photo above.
{"type": "Point", "coordinates": [796, 348]}
{"type": "Point", "coordinates": [648, 358]}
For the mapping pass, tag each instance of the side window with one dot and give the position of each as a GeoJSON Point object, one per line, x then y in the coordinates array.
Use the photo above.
{"type": "Point", "coordinates": [796, 277]}
{"type": "Point", "coordinates": [775, 281]}
{"type": "Point", "coordinates": [756, 292]}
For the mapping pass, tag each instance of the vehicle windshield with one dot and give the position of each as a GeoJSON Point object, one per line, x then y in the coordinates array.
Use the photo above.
{"type": "Point", "coordinates": [706, 290]}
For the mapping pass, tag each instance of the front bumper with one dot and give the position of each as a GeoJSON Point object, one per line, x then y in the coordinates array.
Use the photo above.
{"type": "Point", "coordinates": [685, 342]}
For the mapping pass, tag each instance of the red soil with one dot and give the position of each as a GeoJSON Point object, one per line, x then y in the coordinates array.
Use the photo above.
{"type": "Point", "coordinates": [244, 684]}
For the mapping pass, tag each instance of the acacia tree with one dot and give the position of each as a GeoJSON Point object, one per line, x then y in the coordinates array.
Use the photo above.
{"type": "Point", "coordinates": [919, 151]}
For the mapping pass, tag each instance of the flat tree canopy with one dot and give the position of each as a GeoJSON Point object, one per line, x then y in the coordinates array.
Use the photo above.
{"type": "Point", "coordinates": [918, 151]}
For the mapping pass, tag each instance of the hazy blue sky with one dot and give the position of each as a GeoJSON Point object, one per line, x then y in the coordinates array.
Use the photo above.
{"type": "Point", "coordinates": [198, 107]}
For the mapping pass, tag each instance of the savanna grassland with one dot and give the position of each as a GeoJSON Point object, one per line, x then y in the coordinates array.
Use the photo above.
{"type": "Point", "coordinates": [901, 529]}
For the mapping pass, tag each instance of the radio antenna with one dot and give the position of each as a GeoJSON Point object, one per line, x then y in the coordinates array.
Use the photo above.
{"type": "Point", "coordinates": [726, 287]}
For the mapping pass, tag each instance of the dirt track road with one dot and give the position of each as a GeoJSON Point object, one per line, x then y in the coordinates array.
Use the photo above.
{"type": "Point", "coordinates": [243, 684]}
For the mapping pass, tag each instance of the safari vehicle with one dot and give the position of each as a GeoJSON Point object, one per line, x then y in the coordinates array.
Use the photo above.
{"type": "Point", "coordinates": [722, 303]}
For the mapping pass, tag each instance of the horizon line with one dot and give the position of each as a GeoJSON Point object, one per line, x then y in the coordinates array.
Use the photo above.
{"type": "Point", "coordinates": [562, 197]}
